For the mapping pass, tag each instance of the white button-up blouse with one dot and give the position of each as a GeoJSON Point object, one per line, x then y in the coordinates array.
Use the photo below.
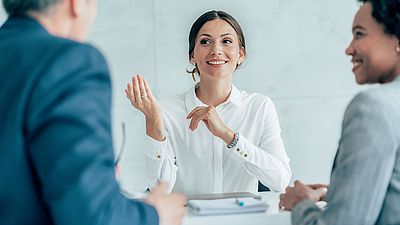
{"type": "Point", "coordinates": [197, 162]}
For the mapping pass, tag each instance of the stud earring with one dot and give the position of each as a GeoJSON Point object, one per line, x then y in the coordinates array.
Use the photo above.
{"type": "Point", "coordinates": [398, 48]}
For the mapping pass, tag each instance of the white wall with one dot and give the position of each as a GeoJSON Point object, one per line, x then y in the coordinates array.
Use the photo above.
{"type": "Point", "coordinates": [2, 14]}
{"type": "Point", "coordinates": [295, 55]}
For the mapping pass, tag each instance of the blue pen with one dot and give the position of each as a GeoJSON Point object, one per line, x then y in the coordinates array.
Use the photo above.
{"type": "Point", "coordinates": [238, 202]}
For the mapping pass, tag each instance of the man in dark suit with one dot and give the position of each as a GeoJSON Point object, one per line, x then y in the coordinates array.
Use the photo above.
{"type": "Point", "coordinates": [56, 158]}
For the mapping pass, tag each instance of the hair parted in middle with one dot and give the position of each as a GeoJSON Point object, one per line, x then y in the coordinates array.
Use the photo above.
{"type": "Point", "coordinates": [198, 24]}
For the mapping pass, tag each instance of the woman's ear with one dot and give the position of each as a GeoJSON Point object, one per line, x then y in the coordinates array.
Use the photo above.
{"type": "Point", "coordinates": [192, 61]}
{"type": "Point", "coordinates": [241, 55]}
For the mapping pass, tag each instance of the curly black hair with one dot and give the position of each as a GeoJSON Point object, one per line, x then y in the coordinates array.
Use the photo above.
{"type": "Point", "coordinates": [387, 13]}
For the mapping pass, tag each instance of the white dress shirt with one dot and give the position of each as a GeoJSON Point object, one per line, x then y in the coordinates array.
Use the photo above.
{"type": "Point", "coordinates": [197, 162]}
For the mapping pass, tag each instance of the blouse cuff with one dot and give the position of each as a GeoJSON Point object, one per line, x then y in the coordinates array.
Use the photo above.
{"type": "Point", "coordinates": [240, 150]}
{"type": "Point", "coordinates": [155, 151]}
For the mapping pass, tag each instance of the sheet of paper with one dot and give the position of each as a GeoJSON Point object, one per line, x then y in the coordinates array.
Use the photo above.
{"type": "Point", "coordinates": [226, 206]}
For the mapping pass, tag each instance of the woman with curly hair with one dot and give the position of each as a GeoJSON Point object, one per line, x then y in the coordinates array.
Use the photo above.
{"type": "Point", "coordinates": [365, 179]}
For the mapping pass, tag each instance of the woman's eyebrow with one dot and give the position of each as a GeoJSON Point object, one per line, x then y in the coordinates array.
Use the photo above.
{"type": "Point", "coordinates": [205, 35]}
{"type": "Point", "coordinates": [226, 34]}
{"type": "Point", "coordinates": [222, 35]}
{"type": "Point", "coordinates": [357, 27]}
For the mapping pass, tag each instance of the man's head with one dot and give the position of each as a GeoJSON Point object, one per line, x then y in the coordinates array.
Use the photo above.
{"type": "Point", "coordinates": [66, 18]}
{"type": "Point", "coordinates": [22, 7]}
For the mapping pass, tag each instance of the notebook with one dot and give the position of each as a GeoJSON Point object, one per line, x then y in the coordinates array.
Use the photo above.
{"type": "Point", "coordinates": [226, 206]}
{"type": "Point", "coordinates": [223, 195]}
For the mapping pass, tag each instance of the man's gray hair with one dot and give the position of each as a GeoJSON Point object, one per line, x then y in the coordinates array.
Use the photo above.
{"type": "Point", "coordinates": [21, 7]}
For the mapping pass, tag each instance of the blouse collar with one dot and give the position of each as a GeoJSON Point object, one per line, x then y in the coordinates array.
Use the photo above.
{"type": "Point", "coordinates": [191, 100]}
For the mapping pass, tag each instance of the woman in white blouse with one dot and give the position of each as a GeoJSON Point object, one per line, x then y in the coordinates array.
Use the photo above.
{"type": "Point", "coordinates": [213, 138]}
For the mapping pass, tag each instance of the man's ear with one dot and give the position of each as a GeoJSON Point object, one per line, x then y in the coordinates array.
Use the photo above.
{"type": "Point", "coordinates": [76, 7]}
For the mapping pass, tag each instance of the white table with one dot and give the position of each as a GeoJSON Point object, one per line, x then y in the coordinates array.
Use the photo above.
{"type": "Point", "coordinates": [273, 216]}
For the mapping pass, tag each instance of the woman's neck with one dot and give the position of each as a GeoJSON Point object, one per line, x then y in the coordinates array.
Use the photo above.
{"type": "Point", "coordinates": [213, 92]}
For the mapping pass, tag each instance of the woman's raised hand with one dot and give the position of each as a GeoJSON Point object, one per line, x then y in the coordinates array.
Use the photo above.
{"type": "Point", "coordinates": [139, 93]}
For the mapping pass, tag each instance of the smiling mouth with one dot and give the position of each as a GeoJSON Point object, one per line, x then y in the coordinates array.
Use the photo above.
{"type": "Point", "coordinates": [218, 62]}
{"type": "Point", "coordinates": [356, 63]}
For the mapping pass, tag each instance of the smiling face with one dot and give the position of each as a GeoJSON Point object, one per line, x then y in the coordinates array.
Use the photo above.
{"type": "Point", "coordinates": [374, 55]}
{"type": "Point", "coordinates": [217, 51]}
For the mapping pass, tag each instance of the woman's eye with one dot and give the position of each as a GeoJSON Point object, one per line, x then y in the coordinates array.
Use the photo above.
{"type": "Point", "coordinates": [358, 34]}
{"type": "Point", "coordinates": [205, 42]}
{"type": "Point", "coordinates": [227, 41]}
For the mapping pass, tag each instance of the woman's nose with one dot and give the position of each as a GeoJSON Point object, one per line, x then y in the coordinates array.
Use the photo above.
{"type": "Point", "coordinates": [349, 50]}
{"type": "Point", "coordinates": [216, 49]}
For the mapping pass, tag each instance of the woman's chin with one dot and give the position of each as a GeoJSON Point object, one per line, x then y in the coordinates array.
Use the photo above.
{"type": "Point", "coordinates": [360, 79]}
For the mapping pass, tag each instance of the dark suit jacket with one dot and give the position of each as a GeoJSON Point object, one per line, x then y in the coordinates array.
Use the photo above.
{"type": "Point", "coordinates": [56, 152]}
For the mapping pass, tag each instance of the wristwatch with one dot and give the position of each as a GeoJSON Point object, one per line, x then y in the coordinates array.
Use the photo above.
{"type": "Point", "coordinates": [234, 141]}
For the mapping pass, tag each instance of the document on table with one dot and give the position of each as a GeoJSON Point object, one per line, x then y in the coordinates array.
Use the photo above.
{"type": "Point", "coordinates": [223, 195]}
{"type": "Point", "coordinates": [226, 206]}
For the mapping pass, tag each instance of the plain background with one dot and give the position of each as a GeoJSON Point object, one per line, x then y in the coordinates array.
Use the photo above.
{"type": "Point", "coordinates": [295, 55]}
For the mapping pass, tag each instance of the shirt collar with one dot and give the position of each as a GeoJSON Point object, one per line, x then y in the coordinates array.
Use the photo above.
{"type": "Point", "coordinates": [22, 22]}
{"type": "Point", "coordinates": [235, 96]}
{"type": "Point", "coordinates": [191, 100]}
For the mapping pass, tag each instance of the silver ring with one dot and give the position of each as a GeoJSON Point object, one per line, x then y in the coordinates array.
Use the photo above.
{"type": "Point", "coordinates": [282, 207]}
{"type": "Point", "coordinates": [143, 96]}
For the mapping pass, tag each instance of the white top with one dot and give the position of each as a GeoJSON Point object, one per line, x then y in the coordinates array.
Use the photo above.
{"type": "Point", "coordinates": [197, 162]}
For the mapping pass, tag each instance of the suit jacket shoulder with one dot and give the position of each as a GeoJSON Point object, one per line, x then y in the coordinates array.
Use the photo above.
{"type": "Point", "coordinates": [57, 133]}
{"type": "Point", "coordinates": [365, 176]}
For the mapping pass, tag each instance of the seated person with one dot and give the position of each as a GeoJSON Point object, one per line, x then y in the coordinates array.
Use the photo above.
{"type": "Point", "coordinates": [365, 180]}
{"type": "Point", "coordinates": [214, 138]}
{"type": "Point", "coordinates": [56, 154]}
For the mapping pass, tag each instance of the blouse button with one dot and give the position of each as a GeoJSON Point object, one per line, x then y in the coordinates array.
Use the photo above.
{"type": "Point", "coordinates": [245, 155]}
{"type": "Point", "coordinates": [159, 156]}
{"type": "Point", "coordinates": [238, 149]}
